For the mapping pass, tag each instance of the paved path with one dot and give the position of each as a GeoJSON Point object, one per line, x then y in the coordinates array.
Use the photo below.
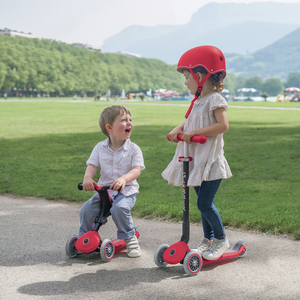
{"type": "Point", "coordinates": [33, 263]}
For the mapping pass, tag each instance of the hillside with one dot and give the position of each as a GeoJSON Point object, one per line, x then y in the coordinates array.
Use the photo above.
{"type": "Point", "coordinates": [47, 65]}
{"type": "Point", "coordinates": [276, 60]}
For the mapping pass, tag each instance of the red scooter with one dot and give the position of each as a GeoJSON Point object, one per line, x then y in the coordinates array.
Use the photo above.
{"type": "Point", "coordinates": [180, 252]}
{"type": "Point", "coordinates": [91, 240]}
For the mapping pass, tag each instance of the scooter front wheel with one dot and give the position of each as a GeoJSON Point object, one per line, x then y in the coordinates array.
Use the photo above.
{"type": "Point", "coordinates": [192, 263]}
{"type": "Point", "coordinates": [70, 246]}
{"type": "Point", "coordinates": [107, 250]}
{"type": "Point", "coordinates": [158, 255]}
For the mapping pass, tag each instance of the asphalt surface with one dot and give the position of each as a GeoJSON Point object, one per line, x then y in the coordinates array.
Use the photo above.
{"type": "Point", "coordinates": [33, 263]}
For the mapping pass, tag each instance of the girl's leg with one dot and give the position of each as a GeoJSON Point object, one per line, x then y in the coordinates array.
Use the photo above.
{"type": "Point", "coordinates": [211, 220]}
{"type": "Point", "coordinates": [121, 215]}
{"type": "Point", "coordinates": [88, 212]}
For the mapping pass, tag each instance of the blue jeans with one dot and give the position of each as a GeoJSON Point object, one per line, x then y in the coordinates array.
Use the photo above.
{"type": "Point", "coordinates": [211, 220]}
{"type": "Point", "coordinates": [120, 213]}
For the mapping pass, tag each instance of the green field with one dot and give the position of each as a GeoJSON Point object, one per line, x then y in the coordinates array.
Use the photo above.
{"type": "Point", "coordinates": [45, 144]}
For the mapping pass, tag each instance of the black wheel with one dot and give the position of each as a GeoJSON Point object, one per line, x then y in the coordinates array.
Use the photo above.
{"type": "Point", "coordinates": [70, 246]}
{"type": "Point", "coordinates": [107, 250]}
{"type": "Point", "coordinates": [243, 253]}
{"type": "Point", "coordinates": [158, 255]}
{"type": "Point", "coordinates": [192, 263]}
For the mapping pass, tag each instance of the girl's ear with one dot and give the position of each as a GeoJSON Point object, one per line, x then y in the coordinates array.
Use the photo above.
{"type": "Point", "coordinates": [108, 127]}
{"type": "Point", "coordinates": [199, 76]}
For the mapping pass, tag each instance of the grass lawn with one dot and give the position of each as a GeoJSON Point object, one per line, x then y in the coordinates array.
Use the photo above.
{"type": "Point", "coordinates": [44, 147]}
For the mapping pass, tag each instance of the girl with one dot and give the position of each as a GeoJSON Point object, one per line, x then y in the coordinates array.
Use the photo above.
{"type": "Point", "coordinates": [204, 70]}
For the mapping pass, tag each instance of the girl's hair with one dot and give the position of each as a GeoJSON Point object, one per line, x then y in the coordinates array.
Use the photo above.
{"type": "Point", "coordinates": [216, 80]}
{"type": "Point", "coordinates": [109, 115]}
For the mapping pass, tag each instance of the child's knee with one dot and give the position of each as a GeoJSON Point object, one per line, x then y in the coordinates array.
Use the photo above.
{"type": "Point", "coordinates": [119, 210]}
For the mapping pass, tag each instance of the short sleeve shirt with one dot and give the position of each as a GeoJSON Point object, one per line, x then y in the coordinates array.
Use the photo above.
{"type": "Point", "coordinates": [114, 164]}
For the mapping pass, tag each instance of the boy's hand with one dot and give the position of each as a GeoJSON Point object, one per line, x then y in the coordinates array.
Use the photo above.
{"type": "Point", "coordinates": [88, 184]}
{"type": "Point", "coordinates": [118, 184]}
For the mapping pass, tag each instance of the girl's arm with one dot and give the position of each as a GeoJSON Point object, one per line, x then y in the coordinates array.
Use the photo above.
{"type": "Point", "coordinates": [221, 126]}
{"type": "Point", "coordinates": [177, 130]}
{"type": "Point", "coordinates": [133, 174]}
{"type": "Point", "coordinates": [88, 182]}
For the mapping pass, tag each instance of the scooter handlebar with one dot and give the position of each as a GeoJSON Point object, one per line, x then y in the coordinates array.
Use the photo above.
{"type": "Point", "coordinates": [201, 139]}
{"type": "Point", "coordinates": [80, 187]}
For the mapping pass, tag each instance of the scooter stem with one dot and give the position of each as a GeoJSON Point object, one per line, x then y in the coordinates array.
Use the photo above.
{"type": "Point", "coordinates": [186, 224]}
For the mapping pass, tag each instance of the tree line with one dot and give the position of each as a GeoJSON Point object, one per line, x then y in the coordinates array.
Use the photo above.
{"type": "Point", "coordinates": [32, 66]}
{"type": "Point", "coordinates": [44, 65]}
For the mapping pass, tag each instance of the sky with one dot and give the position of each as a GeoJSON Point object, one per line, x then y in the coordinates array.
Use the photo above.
{"type": "Point", "coordinates": [92, 21]}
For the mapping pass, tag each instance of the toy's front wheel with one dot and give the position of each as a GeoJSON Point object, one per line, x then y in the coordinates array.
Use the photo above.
{"type": "Point", "coordinates": [192, 263]}
{"type": "Point", "coordinates": [107, 250]}
{"type": "Point", "coordinates": [70, 246]}
{"type": "Point", "coordinates": [158, 255]}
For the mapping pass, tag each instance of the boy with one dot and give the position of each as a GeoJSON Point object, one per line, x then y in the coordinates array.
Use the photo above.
{"type": "Point", "coordinates": [121, 162]}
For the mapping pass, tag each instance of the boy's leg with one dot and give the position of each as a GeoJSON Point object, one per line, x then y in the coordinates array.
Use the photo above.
{"type": "Point", "coordinates": [121, 215]}
{"type": "Point", "coordinates": [88, 212]}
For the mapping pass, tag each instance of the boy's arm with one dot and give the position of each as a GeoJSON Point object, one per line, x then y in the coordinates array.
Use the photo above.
{"type": "Point", "coordinates": [88, 182]}
{"type": "Point", "coordinates": [133, 174]}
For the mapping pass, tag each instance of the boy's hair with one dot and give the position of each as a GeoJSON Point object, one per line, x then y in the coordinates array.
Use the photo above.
{"type": "Point", "coordinates": [109, 114]}
{"type": "Point", "coordinates": [213, 79]}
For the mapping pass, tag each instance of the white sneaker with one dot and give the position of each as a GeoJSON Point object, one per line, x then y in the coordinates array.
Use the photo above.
{"type": "Point", "coordinates": [216, 250]}
{"type": "Point", "coordinates": [204, 246]}
{"type": "Point", "coordinates": [133, 247]}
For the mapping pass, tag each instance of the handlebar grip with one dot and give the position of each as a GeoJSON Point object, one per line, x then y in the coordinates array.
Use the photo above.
{"type": "Point", "coordinates": [97, 188]}
{"type": "Point", "coordinates": [201, 139]}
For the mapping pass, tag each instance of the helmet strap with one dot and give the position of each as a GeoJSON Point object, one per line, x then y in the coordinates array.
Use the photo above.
{"type": "Point", "coordinates": [197, 94]}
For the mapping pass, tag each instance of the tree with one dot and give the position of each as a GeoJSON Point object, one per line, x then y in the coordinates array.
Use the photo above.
{"type": "Point", "coordinates": [293, 80]}
{"type": "Point", "coordinates": [254, 82]}
{"type": "Point", "coordinates": [273, 86]}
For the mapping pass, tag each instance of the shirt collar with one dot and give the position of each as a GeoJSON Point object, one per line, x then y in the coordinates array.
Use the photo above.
{"type": "Point", "coordinates": [126, 145]}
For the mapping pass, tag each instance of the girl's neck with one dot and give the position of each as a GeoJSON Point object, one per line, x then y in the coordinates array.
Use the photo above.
{"type": "Point", "coordinates": [207, 89]}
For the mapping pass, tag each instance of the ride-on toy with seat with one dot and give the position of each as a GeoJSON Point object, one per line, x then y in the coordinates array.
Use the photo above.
{"type": "Point", "coordinates": [91, 240]}
{"type": "Point", "coordinates": [180, 252]}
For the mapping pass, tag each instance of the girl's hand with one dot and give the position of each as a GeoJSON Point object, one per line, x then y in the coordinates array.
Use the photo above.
{"type": "Point", "coordinates": [187, 136]}
{"type": "Point", "coordinates": [174, 133]}
{"type": "Point", "coordinates": [117, 184]}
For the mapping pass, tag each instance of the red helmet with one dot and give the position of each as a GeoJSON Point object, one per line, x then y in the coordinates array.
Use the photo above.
{"type": "Point", "coordinates": [209, 57]}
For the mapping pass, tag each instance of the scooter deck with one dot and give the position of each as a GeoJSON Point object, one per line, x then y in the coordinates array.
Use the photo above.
{"type": "Point", "coordinates": [121, 244]}
{"type": "Point", "coordinates": [237, 250]}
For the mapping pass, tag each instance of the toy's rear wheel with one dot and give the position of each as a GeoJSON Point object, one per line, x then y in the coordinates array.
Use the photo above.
{"type": "Point", "coordinates": [107, 250]}
{"type": "Point", "coordinates": [70, 246]}
{"type": "Point", "coordinates": [158, 255]}
{"type": "Point", "coordinates": [192, 263]}
{"type": "Point", "coordinates": [243, 253]}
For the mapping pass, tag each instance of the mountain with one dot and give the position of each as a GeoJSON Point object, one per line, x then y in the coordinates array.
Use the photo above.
{"type": "Point", "coordinates": [276, 60]}
{"type": "Point", "coordinates": [233, 27]}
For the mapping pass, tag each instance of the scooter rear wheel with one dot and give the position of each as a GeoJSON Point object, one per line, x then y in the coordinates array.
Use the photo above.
{"type": "Point", "coordinates": [192, 263]}
{"type": "Point", "coordinates": [107, 250]}
{"type": "Point", "coordinates": [70, 246]}
{"type": "Point", "coordinates": [158, 255]}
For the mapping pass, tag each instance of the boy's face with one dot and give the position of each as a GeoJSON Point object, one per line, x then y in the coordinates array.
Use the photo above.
{"type": "Point", "coordinates": [122, 127]}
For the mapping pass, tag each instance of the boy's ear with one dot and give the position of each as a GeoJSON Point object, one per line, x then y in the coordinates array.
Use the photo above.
{"type": "Point", "coordinates": [108, 127]}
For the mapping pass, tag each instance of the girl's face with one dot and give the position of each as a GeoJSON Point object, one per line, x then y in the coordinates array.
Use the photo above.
{"type": "Point", "coordinates": [190, 82]}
